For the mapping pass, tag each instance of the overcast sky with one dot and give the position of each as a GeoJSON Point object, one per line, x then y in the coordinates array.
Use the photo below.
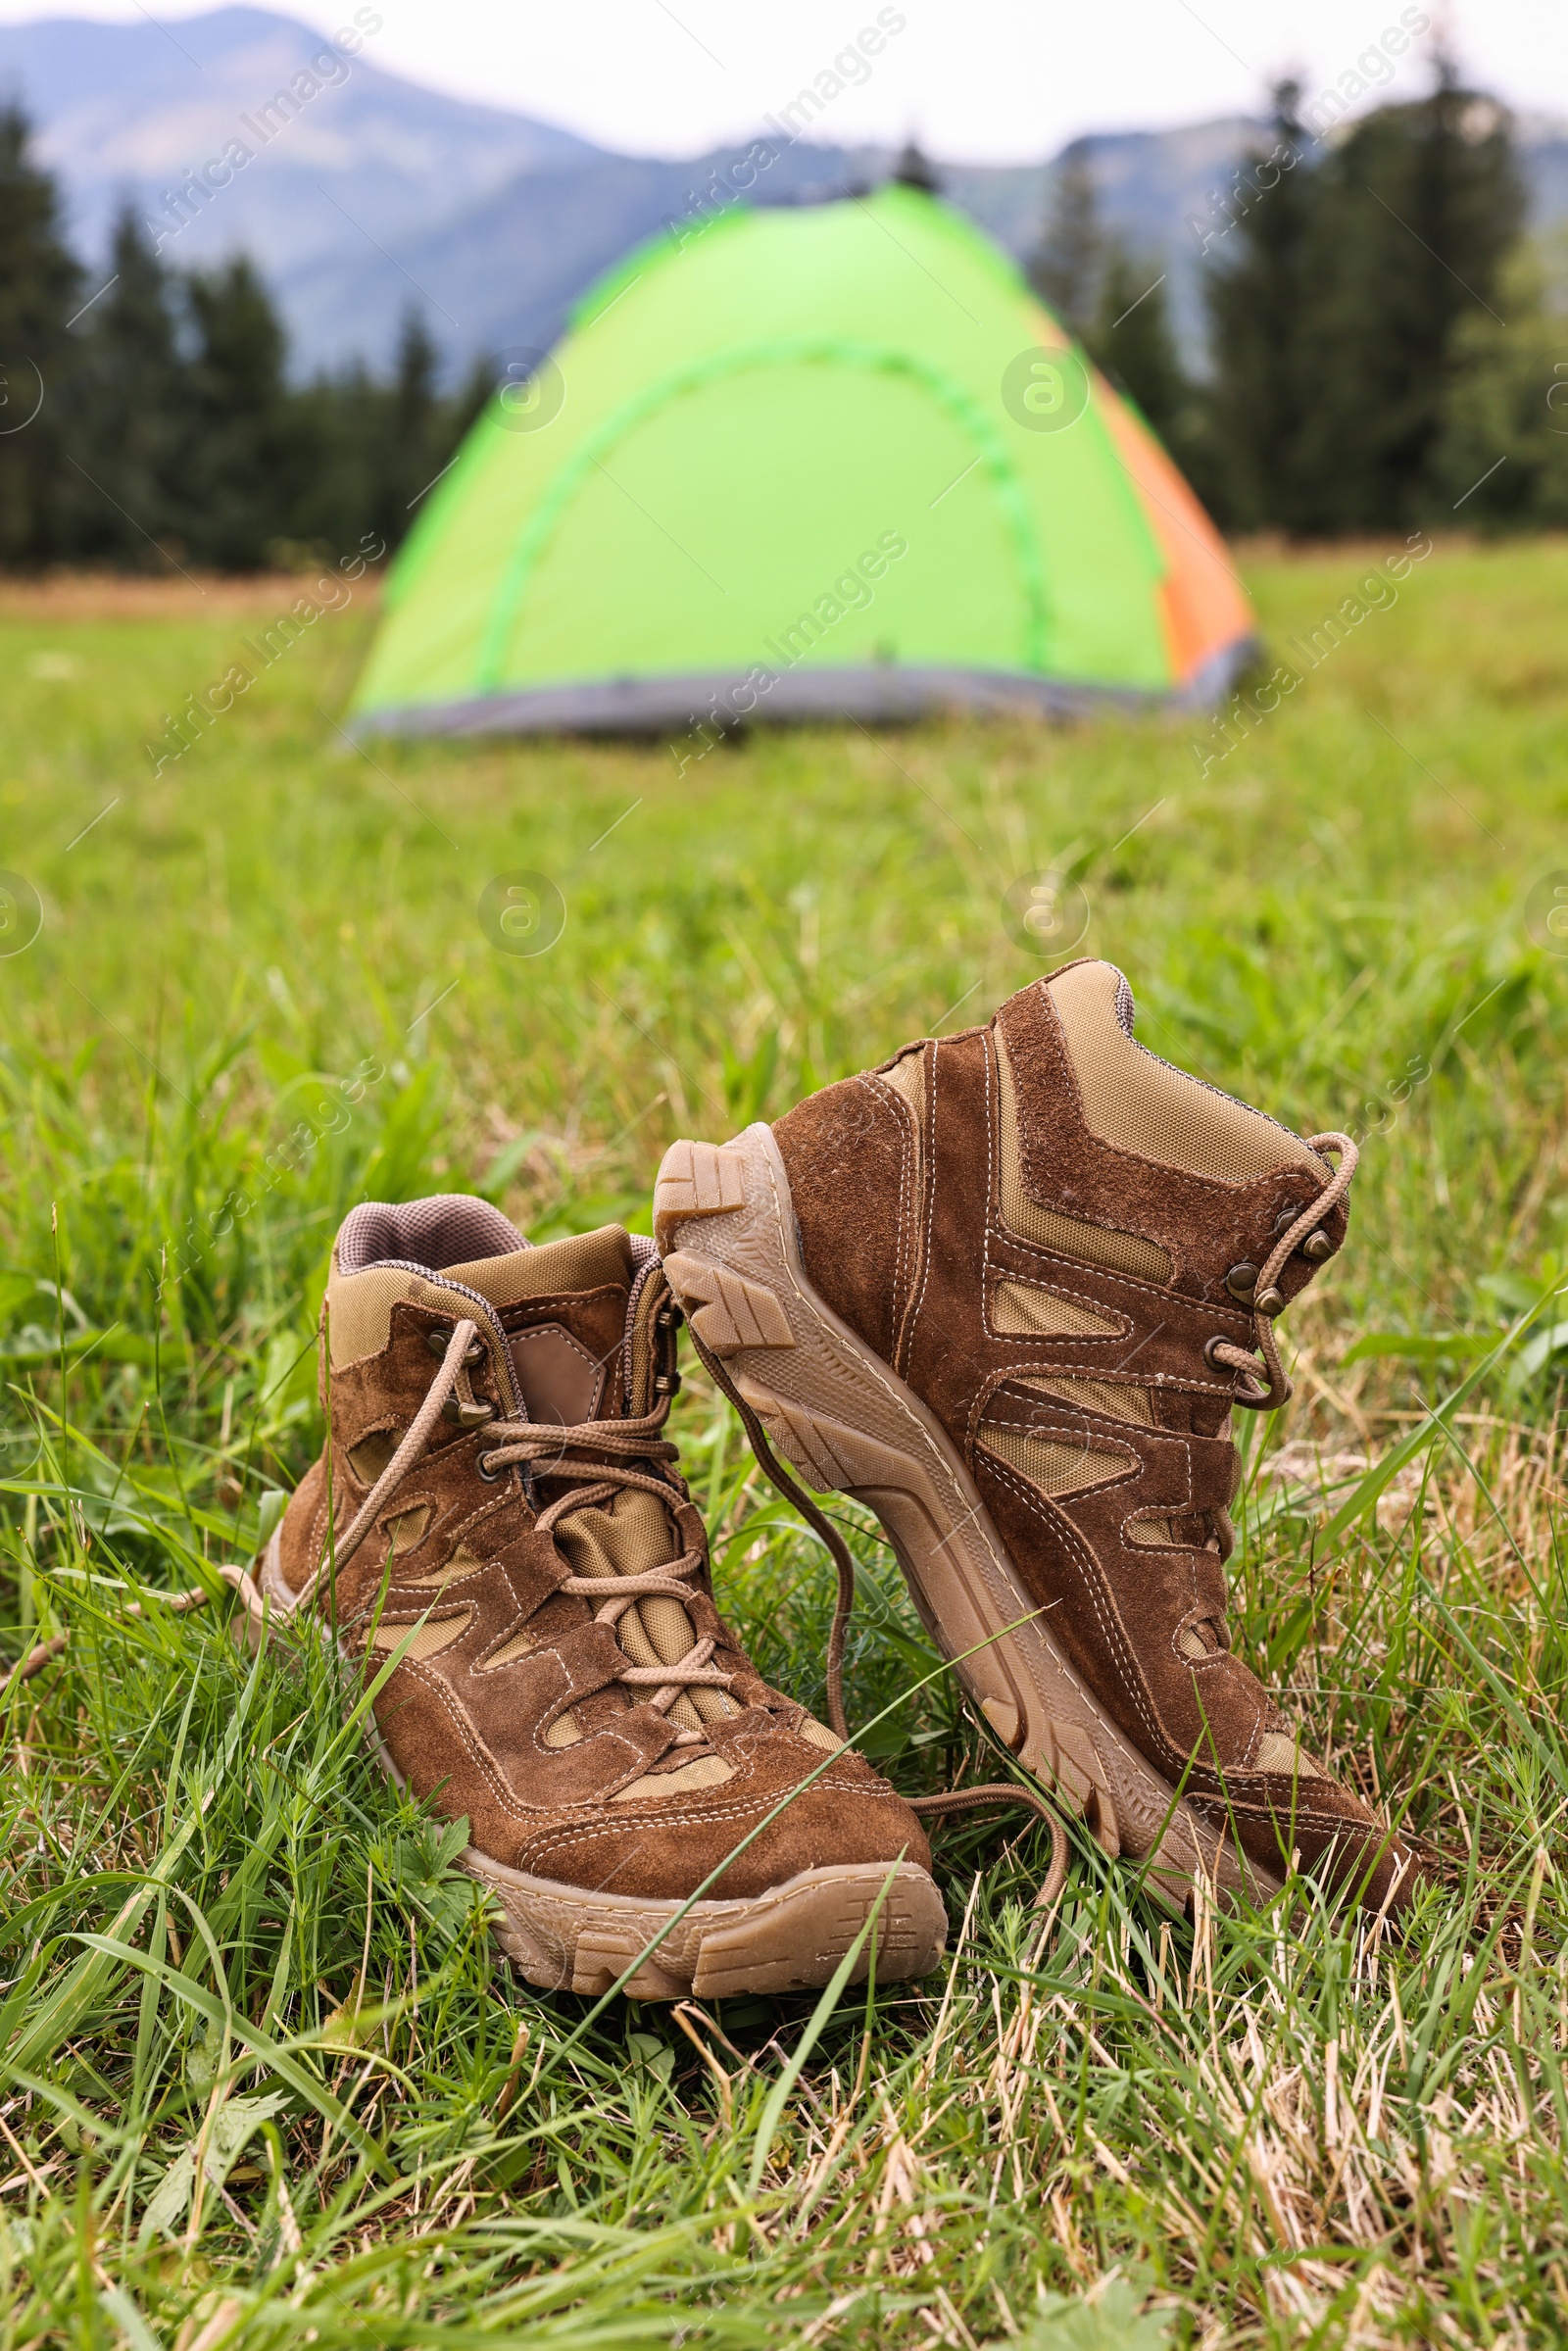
{"type": "Point", "coordinates": [997, 80]}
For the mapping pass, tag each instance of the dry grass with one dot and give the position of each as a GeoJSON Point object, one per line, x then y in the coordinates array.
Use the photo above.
{"type": "Point", "coordinates": [207, 597]}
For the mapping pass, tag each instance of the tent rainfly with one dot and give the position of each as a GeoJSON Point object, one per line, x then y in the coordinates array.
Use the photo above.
{"type": "Point", "coordinates": [809, 464]}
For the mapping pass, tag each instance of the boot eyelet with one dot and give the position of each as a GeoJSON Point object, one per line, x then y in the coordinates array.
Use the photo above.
{"type": "Point", "coordinates": [439, 1339]}
{"type": "Point", "coordinates": [1241, 1281]}
{"type": "Point", "coordinates": [477, 1415]}
{"type": "Point", "coordinates": [1209, 1357]}
{"type": "Point", "coordinates": [489, 1475]}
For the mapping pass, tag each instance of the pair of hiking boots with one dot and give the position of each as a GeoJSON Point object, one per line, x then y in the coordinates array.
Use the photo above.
{"type": "Point", "coordinates": [1007, 1290]}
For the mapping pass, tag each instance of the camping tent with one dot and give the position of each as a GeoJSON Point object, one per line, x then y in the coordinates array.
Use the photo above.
{"type": "Point", "coordinates": [824, 460]}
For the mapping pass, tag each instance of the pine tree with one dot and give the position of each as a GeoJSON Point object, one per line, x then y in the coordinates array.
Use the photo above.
{"type": "Point", "coordinates": [383, 444]}
{"type": "Point", "coordinates": [1262, 292]}
{"type": "Point", "coordinates": [337, 419]}
{"type": "Point", "coordinates": [1131, 339]}
{"type": "Point", "coordinates": [915, 169]}
{"type": "Point", "coordinates": [41, 287]}
{"type": "Point", "coordinates": [130, 410]}
{"type": "Point", "coordinates": [1067, 268]}
{"type": "Point", "coordinates": [401, 432]}
{"type": "Point", "coordinates": [1421, 205]}
{"type": "Point", "coordinates": [471, 398]}
{"type": "Point", "coordinates": [251, 457]}
{"type": "Point", "coordinates": [1508, 401]}
{"type": "Point", "coordinates": [416, 444]}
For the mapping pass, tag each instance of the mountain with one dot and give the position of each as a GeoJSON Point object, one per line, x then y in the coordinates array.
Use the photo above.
{"type": "Point", "coordinates": [361, 193]}
{"type": "Point", "coordinates": [553, 232]}
{"type": "Point", "coordinates": [353, 167]}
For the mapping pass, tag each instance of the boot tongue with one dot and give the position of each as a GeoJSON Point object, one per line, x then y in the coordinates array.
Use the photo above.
{"type": "Point", "coordinates": [563, 1308]}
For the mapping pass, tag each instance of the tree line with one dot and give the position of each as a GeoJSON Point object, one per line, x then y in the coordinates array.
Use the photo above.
{"type": "Point", "coordinates": [1385, 348]}
{"type": "Point", "coordinates": [166, 424]}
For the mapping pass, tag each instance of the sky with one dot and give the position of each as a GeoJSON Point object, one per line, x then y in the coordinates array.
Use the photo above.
{"type": "Point", "coordinates": [977, 80]}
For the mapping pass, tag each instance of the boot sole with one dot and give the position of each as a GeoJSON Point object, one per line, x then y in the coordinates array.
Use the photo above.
{"type": "Point", "coordinates": [790, 1939]}
{"type": "Point", "coordinates": [726, 1229]}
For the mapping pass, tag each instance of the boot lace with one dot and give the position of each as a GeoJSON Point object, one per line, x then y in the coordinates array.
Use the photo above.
{"type": "Point", "coordinates": [560, 1452]}
{"type": "Point", "coordinates": [517, 1441]}
{"type": "Point", "coordinates": [1268, 1299]}
{"type": "Point", "coordinates": [951, 1800]}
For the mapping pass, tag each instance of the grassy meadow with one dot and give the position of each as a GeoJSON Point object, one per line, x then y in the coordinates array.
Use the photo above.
{"type": "Point", "coordinates": [261, 2083]}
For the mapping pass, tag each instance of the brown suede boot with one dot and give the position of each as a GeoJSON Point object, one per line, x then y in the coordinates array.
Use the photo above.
{"type": "Point", "coordinates": [497, 1502]}
{"type": "Point", "coordinates": [1005, 1289]}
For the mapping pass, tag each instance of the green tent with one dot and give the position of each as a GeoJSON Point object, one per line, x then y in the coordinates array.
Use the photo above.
{"type": "Point", "coordinates": [815, 462]}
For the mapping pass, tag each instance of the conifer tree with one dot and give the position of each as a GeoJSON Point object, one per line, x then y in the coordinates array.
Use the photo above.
{"type": "Point", "coordinates": [413, 442]}
{"type": "Point", "coordinates": [1262, 294]}
{"type": "Point", "coordinates": [128, 409]}
{"type": "Point", "coordinates": [1132, 340]}
{"type": "Point", "coordinates": [916, 169]}
{"type": "Point", "coordinates": [1419, 207]}
{"type": "Point", "coordinates": [41, 287]}
{"type": "Point", "coordinates": [250, 458]}
{"type": "Point", "coordinates": [1508, 402]}
{"type": "Point", "coordinates": [1065, 270]}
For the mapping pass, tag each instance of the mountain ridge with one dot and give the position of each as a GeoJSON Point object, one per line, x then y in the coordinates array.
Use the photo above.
{"type": "Point", "coordinates": [361, 193]}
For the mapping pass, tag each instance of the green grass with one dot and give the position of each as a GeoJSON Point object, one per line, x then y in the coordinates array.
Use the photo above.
{"type": "Point", "coordinates": [231, 1953]}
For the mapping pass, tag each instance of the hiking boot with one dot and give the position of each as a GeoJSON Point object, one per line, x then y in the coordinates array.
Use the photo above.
{"type": "Point", "coordinates": [1007, 1290]}
{"type": "Point", "coordinates": [498, 1509]}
